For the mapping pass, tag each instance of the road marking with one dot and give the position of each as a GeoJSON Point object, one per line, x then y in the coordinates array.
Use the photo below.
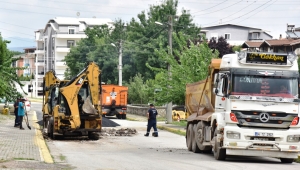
{"type": "Point", "coordinates": [40, 142]}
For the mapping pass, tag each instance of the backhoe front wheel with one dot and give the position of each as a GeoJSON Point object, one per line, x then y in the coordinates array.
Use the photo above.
{"type": "Point", "coordinates": [93, 136]}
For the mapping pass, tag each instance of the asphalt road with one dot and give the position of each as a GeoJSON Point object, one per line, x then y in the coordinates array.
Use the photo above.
{"type": "Point", "coordinates": [168, 151]}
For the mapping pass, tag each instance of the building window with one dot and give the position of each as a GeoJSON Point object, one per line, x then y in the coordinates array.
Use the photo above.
{"type": "Point", "coordinates": [227, 37]}
{"type": "Point", "coordinates": [70, 43]}
{"type": "Point", "coordinates": [255, 35]}
{"type": "Point", "coordinates": [71, 30]}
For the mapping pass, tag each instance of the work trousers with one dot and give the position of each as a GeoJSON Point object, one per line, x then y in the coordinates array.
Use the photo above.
{"type": "Point", "coordinates": [21, 120]}
{"type": "Point", "coordinates": [151, 123]}
{"type": "Point", "coordinates": [17, 121]}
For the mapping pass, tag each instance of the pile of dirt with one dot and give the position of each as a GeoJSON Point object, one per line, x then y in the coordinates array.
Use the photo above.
{"type": "Point", "coordinates": [118, 132]}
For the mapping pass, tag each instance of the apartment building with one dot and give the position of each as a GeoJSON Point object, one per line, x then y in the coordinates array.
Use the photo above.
{"type": "Point", "coordinates": [235, 34]}
{"type": "Point", "coordinates": [53, 43]}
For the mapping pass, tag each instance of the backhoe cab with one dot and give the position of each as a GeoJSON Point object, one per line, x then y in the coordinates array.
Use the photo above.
{"type": "Point", "coordinates": [72, 107]}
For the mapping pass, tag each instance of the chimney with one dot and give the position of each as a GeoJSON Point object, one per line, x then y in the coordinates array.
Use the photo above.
{"type": "Point", "coordinates": [280, 36]}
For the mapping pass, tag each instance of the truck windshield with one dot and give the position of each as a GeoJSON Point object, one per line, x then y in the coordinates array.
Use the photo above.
{"type": "Point", "coordinates": [257, 85]}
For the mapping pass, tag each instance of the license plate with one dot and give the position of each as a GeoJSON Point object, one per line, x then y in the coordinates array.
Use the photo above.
{"type": "Point", "coordinates": [263, 134]}
{"type": "Point", "coordinates": [261, 139]}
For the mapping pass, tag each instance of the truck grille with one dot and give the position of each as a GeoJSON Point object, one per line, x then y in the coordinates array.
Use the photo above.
{"type": "Point", "coordinates": [261, 119]}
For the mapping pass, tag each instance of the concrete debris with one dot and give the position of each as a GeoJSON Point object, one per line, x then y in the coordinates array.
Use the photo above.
{"type": "Point", "coordinates": [118, 132]}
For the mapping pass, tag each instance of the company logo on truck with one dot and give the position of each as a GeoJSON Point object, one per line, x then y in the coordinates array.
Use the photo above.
{"type": "Point", "coordinates": [264, 117]}
{"type": "Point", "coordinates": [266, 58]}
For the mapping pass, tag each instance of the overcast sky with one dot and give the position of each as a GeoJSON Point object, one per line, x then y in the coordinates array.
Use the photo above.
{"type": "Point", "coordinates": [19, 18]}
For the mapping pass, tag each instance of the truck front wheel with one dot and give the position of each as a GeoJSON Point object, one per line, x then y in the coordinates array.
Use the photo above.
{"type": "Point", "coordinates": [219, 153]}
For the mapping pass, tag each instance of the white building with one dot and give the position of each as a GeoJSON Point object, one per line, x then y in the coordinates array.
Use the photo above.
{"type": "Point", "coordinates": [54, 41]}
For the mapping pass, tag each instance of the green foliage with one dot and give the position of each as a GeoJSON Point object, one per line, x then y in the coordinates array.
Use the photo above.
{"type": "Point", "coordinates": [192, 67]}
{"type": "Point", "coordinates": [221, 45]}
{"type": "Point", "coordinates": [144, 36]}
{"type": "Point", "coordinates": [237, 48]}
{"type": "Point", "coordinates": [137, 90]}
{"type": "Point", "coordinates": [8, 74]}
{"type": "Point", "coordinates": [15, 52]}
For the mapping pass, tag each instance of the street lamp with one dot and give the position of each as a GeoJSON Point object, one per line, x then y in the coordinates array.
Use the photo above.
{"type": "Point", "coordinates": [170, 29]}
{"type": "Point", "coordinates": [120, 61]}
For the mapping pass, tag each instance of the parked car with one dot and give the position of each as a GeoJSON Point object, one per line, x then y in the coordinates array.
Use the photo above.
{"type": "Point", "coordinates": [4, 103]}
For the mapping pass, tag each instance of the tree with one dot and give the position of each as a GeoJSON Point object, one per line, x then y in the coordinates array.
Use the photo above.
{"type": "Point", "coordinates": [8, 74]}
{"type": "Point", "coordinates": [222, 46]}
{"type": "Point", "coordinates": [136, 90]}
{"type": "Point", "coordinates": [193, 67]}
{"type": "Point", "coordinates": [144, 36]}
{"type": "Point", "coordinates": [97, 47]}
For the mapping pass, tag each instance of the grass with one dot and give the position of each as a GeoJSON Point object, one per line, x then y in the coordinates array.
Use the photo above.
{"type": "Point", "coordinates": [23, 159]}
{"type": "Point", "coordinates": [176, 131]}
{"type": "Point", "coordinates": [62, 158]}
{"type": "Point", "coordinates": [131, 119]}
{"type": "Point", "coordinates": [181, 123]}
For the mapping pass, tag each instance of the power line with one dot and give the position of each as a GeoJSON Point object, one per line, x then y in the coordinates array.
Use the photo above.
{"type": "Point", "coordinates": [258, 12]}
{"type": "Point", "coordinates": [18, 39]}
{"type": "Point", "coordinates": [210, 7]}
{"type": "Point", "coordinates": [17, 32]}
{"type": "Point", "coordinates": [248, 12]}
{"type": "Point", "coordinates": [220, 9]}
{"type": "Point", "coordinates": [59, 8]}
{"type": "Point", "coordinates": [233, 13]}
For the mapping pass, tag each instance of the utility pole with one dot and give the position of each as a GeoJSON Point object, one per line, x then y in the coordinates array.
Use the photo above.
{"type": "Point", "coordinates": [120, 63]}
{"type": "Point", "coordinates": [169, 105]}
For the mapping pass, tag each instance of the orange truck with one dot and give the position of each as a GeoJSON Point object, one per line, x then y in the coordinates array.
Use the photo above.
{"type": "Point", "coordinates": [114, 100]}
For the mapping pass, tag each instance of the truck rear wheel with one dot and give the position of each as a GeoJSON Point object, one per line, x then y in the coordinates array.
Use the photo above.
{"type": "Point", "coordinates": [189, 137]}
{"type": "Point", "coordinates": [119, 116]}
{"type": "Point", "coordinates": [199, 138]}
{"type": "Point", "coordinates": [286, 160]}
{"type": "Point", "coordinates": [219, 153]}
{"type": "Point", "coordinates": [195, 147]}
{"type": "Point", "coordinates": [123, 116]}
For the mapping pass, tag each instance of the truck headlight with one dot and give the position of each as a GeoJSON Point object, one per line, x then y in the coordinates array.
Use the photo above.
{"type": "Point", "coordinates": [233, 135]}
{"type": "Point", "coordinates": [293, 138]}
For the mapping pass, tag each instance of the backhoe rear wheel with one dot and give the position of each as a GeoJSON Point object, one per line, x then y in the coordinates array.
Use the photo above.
{"type": "Point", "coordinates": [286, 160]}
{"type": "Point", "coordinates": [189, 137]}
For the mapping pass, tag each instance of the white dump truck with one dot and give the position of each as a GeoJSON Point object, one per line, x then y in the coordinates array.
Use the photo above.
{"type": "Point", "coordinates": [248, 106]}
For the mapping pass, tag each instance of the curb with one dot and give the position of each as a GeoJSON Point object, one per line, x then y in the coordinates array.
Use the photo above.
{"type": "Point", "coordinates": [39, 140]}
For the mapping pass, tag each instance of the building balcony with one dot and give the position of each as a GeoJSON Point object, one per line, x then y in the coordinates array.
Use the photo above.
{"type": "Point", "coordinates": [40, 63]}
{"type": "Point", "coordinates": [64, 49]}
{"type": "Point", "coordinates": [60, 63]}
{"type": "Point", "coordinates": [78, 35]}
{"type": "Point", "coordinates": [39, 51]}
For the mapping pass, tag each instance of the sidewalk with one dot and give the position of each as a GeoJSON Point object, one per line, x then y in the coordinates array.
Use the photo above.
{"type": "Point", "coordinates": [16, 144]}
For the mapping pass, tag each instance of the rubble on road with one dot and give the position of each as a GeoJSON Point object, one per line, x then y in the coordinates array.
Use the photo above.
{"type": "Point", "coordinates": [118, 132]}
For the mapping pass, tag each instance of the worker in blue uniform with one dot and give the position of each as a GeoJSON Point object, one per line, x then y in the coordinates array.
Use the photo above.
{"type": "Point", "coordinates": [151, 114]}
